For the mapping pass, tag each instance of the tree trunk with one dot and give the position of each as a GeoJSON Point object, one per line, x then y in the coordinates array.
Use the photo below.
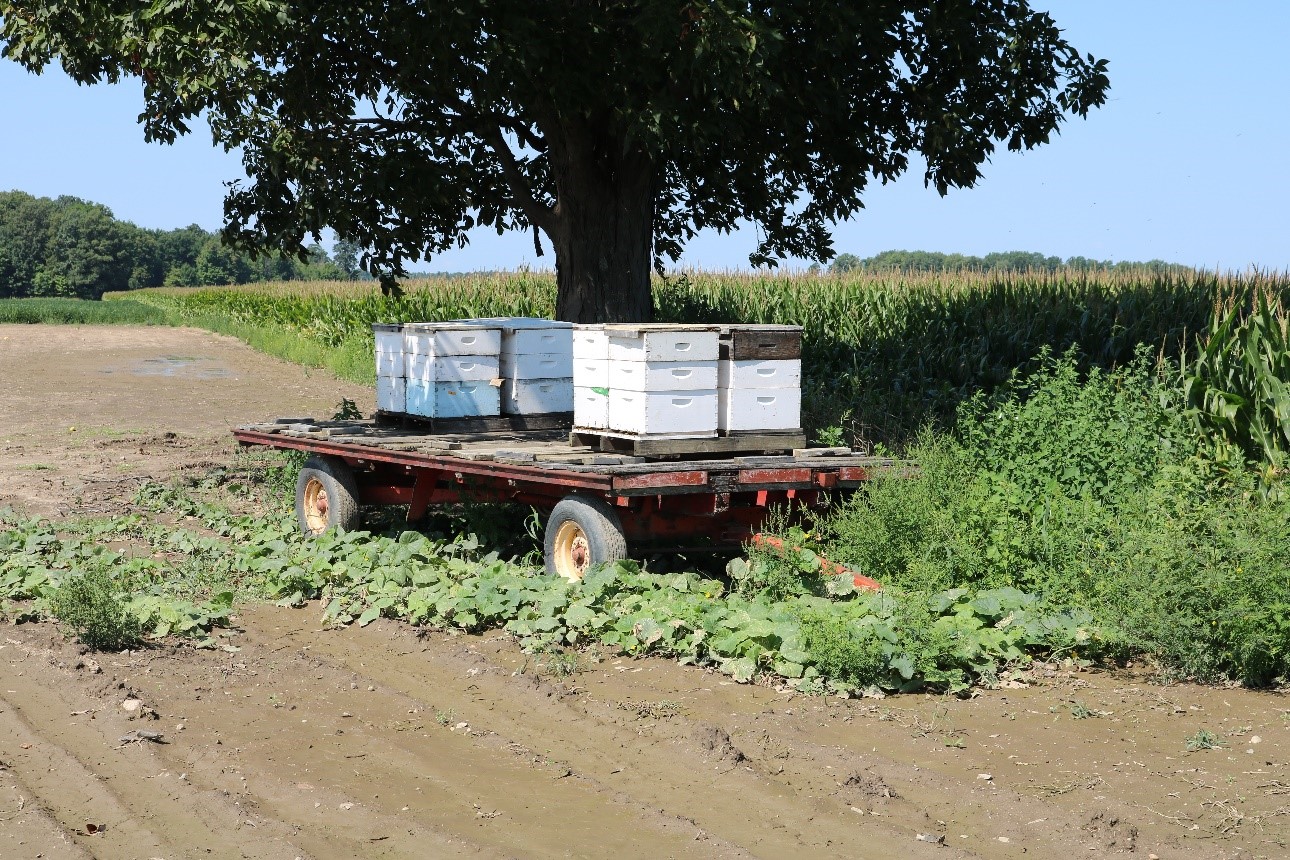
{"type": "Point", "coordinates": [603, 232]}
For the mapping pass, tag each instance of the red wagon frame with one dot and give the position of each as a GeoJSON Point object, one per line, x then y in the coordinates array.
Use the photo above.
{"type": "Point", "coordinates": [679, 503]}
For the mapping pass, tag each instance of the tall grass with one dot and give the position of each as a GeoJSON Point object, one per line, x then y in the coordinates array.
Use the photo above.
{"type": "Point", "coordinates": [1092, 491]}
{"type": "Point", "coordinates": [80, 311]}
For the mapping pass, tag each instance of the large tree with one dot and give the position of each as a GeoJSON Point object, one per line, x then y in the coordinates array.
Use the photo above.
{"type": "Point", "coordinates": [617, 128]}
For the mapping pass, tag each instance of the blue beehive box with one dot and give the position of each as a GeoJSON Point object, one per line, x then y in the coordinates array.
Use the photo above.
{"type": "Point", "coordinates": [459, 399]}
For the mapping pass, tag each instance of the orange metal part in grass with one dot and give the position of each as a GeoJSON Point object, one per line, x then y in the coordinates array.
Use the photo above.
{"type": "Point", "coordinates": [829, 568]}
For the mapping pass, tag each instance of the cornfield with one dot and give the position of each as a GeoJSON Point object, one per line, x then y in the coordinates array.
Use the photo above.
{"type": "Point", "coordinates": [883, 353]}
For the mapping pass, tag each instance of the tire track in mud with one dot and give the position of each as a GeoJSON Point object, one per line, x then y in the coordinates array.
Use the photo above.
{"type": "Point", "coordinates": [27, 830]}
{"type": "Point", "coordinates": [692, 774]}
{"type": "Point", "coordinates": [321, 744]}
{"type": "Point", "coordinates": [768, 783]}
{"type": "Point", "coordinates": [82, 774]}
{"type": "Point", "coordinates": [295, 743]}
{"type": "Point", "coordinates": [389, 742]}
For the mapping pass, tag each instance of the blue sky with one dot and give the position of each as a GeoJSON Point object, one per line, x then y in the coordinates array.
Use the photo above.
{"type": "Point", "coordinates": [1187, 162]}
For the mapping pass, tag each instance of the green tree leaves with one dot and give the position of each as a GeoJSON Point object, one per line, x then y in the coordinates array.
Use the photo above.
{"type": "Point", "coordinates": [619, 129]}
{"type": "Point", "coordinates": [72, 248]}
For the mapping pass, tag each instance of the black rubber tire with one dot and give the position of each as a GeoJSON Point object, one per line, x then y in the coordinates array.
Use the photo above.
{"type": "Point", "coordinates": [589, 523]}
{"type": "Point", "coordinates": [334, 479]}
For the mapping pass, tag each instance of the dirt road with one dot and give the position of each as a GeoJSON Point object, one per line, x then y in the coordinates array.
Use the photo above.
{"type": "Point", "coordinates": [392, 742]}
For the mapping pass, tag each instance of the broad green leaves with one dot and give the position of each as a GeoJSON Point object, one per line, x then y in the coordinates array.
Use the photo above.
{"type": "Point", "coordinates": [1236, 385]}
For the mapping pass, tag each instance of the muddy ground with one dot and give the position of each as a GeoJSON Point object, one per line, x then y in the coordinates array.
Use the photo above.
{"type": "Point", "coordinates": [392, 742]}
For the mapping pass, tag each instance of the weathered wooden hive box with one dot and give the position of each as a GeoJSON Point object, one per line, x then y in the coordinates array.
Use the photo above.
{"type": "Point", "coordinates": [536, 364]}
{"type": "Point", "coordinates": [662, 380]}
{"type": "Point", "coordinates": [759, 384]}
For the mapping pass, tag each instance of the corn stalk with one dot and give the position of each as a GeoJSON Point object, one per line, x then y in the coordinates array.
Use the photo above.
{"type": "Point", "coordinates": [1236, 386]}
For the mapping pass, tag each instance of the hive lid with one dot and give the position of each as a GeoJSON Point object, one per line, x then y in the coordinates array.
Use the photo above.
{"type": "Point", "coordinates": [387, 327]}
{"type": "Point", "coordinates": [759, 327]}
{"type": "Point", "coordinates": [515, 323]}
{"type": "Point", "coordinates": [452, 325]}
{"type": "Point", "coordinates": [637, 329]}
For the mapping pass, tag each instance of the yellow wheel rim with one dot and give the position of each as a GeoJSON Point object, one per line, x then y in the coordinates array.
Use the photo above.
{"type": "Point", "coordinates": [572, 551]}
{"type": "Point", "coordinates": [316, 506]}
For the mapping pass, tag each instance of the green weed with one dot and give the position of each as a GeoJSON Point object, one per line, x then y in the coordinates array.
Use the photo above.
{"type": "Point", "coordinates": [560, 664]}
{"type": "Point", "coordinates": [1087, 490]}
{"type": "Point", "coordinates": [91, 605]}
{"type": "Point", "coordinates": [346, 410]}
{"type": "Point", "coordinates": [1081, 711]}
{"type": "Point", "coordinates": [841, 650]}
{"type": "Point", "coordinates": [1204, 739]}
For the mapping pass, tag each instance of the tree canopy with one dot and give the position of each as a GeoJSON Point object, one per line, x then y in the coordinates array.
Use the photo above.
{"type": "Point", "coordinates": [617, 128]}
{"type": "Point", "coordinates": [72, 248]}
{"type": "Point", "coordinates": [997, 261]}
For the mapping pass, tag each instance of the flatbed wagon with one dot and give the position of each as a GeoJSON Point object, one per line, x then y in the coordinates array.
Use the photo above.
{"type": "Point", "coordinates": [599, 504]}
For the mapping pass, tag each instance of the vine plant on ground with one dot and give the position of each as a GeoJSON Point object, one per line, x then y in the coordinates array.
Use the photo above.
{"type": "Point", "coordinates": [844, 642]}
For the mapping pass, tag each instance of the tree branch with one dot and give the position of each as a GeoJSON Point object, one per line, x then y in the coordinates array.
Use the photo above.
{"type": "Point", "coordinates": [538, 214]}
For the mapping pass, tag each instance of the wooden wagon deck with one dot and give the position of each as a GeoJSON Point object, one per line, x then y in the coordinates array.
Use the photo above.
{"type": "Point", "coordinates": [552, 450]}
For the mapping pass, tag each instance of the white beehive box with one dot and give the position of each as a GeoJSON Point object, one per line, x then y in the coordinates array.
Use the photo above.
{"type": "Point", "coordinates": [389, 364]}
{"type": "Point", "coordinates": [662, 375]}
{"type": "Point", "coordinates": [591, 372]}
{"type": "Point", "coordinates": [674, 414]}
{"type": "Point", "coordinates": [469, 399]}
{"type": "Point", "coordinates": [524, 335]}
{"type": "Point", "coordinates": [389, 349]}
{"type": "Point", "coordinates": [591, 407]}
{"type": "Point", "coordinates": [537, 365]}
{"type": "Point", "coordinates": [452, 368]}
{"type": "Point", "coordinates": [742, 409]}
{"type": "Point", "coordinates": [390, 367]}
{"type": "Point", "coordinates": [391, 393]}
{"type": "Point", "coordinates": [438, 339]}
{"type": "Point", "coordinates": [754, 373]}
{"type": "Point", "coordinates": [552, 337]}
{"type": "Point", "coordinates": [537, 396]}
{"type": "Point", "coordinates": [590, 342]}
{"type": "Point", "coordinates": [662, 342]}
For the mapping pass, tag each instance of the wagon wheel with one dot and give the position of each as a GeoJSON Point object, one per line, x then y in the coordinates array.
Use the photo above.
{"type": "Point", "coordinates": [326, 496]}
{"type": "Point", "coordinates": [582, 532]}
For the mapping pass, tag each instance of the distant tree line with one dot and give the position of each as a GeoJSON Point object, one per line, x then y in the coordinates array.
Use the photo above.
{"type": "Point", "coordinates": [1000, 261]}
{"type": "Point", "coordinates": [74, 248]}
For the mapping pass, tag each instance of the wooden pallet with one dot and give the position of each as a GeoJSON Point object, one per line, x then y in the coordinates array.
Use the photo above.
{"type": "Point", "coordinates": [764, 442]}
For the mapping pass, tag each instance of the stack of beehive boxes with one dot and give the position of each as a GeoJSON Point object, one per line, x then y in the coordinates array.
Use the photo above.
{"type": "Point", "coordinates": [475, 368]}
{"type": "Point", "coordinates": [536, 364]}
{"type": "Point", "coordinates": [646, 380]}
{"type": "Point", "coordinates": [391, 368]}
{"type": "Point", "coordinates": [760, 378]}
{"type": "Point", "coordinates": [446, 370]}
{"type": "Point", "coordinates": [590, 377]}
